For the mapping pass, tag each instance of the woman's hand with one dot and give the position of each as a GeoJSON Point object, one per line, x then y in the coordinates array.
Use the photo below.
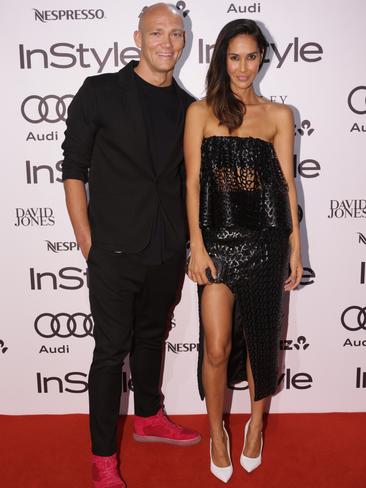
{"type": "Point", "coordinates": [199, 261]}
{"type": "Point", "coordinates": [296, 271]}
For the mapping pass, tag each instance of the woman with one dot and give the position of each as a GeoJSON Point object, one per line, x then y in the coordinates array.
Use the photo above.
{"type": "Point", "coordinates": [244, 230]}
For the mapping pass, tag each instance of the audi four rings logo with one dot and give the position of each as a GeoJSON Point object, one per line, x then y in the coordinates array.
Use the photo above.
{"type": "Point", "coordinates": [357, 100]}
{"type": "Point", "coordinates": [64, 325]}
{"type": "Point", "coordinates": [354, 318]}
{"type": "Point", "coordinates": [51, 108]}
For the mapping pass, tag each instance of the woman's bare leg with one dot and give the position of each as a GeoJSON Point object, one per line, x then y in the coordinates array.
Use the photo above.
{"type": "Point", "coordinates": [253, 441]}
{"type": "Point", "coordinates": [216, 311]}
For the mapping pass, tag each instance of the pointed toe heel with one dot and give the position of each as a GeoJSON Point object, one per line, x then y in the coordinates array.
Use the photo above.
{"type": "Point", "coordinates": [225, 473]}
{"type": "Point", "coordinates": [250, 463]}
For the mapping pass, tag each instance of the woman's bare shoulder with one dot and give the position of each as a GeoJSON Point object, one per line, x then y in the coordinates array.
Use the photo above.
{"type": "Point", "coordinates": [280, 111]}
{"type": "Point", "coordinates": [199, 108]}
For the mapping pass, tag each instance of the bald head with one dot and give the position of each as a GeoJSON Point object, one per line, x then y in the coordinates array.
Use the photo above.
{"type": "Point", "coordinates": [160, 38]}
{"type": "Point", "coordinates": [159, 9]}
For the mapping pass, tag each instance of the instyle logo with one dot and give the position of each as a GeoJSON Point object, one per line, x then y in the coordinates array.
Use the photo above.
{"type": "Point", "coordinates": [45, 173]}
{"type": "Point", "coordinates": [64, 325]}
{"type": "Point", "coordinates": [62, 246]}
{"type": "Point", "coordinates": [290, 345]}
{"type": "Point", "coordinates": [30, 217]}
{"type": "Point", "coordinates": [70, 383]}
{"type": "Point", "coordinates": [357, 103]}
{"type": "Point", "coordinates": [307, 168]}
{"type": "Point", "coordinates": [360, 378]}
{"type": "Point", "coordinates": [65, 55]}
{"type": "Point", "coordinates": [295, 51]}
{"type": "Point", "coordinates": [49, 108]}
{"type": "Point", "coordinates": [68, 278]}
{"type": "Point", "coordinates": [297, 381]}
{"type": "Point", "coordinates": [73, 382]}
{"type": "Point", "coordinates": [343, 209]}
{"type": "Point", "coordinates": [353, 318]}
{"type": "Point", "coordinates": [83, 14]}
{"type": "Point", "coordinates": [179, 347]}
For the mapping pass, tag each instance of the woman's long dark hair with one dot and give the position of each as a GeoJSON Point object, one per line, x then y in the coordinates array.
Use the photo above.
{"type": "Point", "coordinates": [226, 106]}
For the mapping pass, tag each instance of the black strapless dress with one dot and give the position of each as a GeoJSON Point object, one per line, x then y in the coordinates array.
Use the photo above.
{"type": "Point", "coordinates": [245, 221]}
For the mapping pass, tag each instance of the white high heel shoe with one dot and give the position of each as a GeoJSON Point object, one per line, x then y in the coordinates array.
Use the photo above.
{"type": "Point", "coordinates": [249, 463]}
{"type": "Point", "coordinates": [225, 473]}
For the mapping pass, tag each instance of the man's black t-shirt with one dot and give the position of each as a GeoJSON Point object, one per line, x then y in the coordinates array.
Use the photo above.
{"type": "Point", "coordinates": [161, 111]}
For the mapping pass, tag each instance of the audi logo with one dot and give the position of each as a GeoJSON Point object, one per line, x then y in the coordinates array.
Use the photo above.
{"type": "Point", "coordinates": [354, 318]}
{"type": "Point", "coordinates": [357, 100]}
{"type": "Point", "coordinates": [51, 108]}
{"type": "Point", "coordinates": [64, 325]}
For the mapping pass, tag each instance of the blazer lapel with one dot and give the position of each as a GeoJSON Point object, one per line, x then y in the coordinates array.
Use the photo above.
{"type": "Point", "coordinates": [179, 124]}
{"type": "Point", "coordinates": [182, 105]}
{"type": "Point", "coordinates": [132, 109]}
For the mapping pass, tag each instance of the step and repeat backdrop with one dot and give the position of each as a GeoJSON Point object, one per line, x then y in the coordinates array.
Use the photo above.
{"type": "Point", "coordinates": [316, 65]}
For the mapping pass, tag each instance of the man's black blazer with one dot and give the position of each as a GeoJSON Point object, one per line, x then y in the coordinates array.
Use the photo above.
{"type": "Point", "coordinates": [106, 144]}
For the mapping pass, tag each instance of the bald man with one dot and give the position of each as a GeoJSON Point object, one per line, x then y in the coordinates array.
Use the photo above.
{"type": "Point", "coordinates": [124, 137]}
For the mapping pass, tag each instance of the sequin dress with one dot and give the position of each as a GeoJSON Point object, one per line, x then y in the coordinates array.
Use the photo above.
{"type": "Point", "coordinates": [245, 222]}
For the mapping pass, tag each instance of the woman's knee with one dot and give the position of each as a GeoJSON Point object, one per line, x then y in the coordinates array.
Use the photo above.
{"type": "Point", "coordinates": [218, 355]}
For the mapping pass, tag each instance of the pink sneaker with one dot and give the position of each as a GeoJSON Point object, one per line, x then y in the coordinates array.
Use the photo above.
{"type": "Point", "coordinates": [158, 428]}
{"type": "Point", "coordinates": [105, 473]}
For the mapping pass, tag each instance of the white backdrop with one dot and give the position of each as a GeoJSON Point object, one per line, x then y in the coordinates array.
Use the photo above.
{"type": "Point", "coordinates": [317, 66]}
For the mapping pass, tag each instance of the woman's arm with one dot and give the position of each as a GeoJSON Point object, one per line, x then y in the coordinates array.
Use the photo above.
{"type": "Point", "coordinates": [284, 143]}
{"type": "Point", "coordinates": [193, 135]}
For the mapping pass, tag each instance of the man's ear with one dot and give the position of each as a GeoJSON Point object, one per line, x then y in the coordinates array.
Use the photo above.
{"type": "Point", "coordinates": [137, 38]}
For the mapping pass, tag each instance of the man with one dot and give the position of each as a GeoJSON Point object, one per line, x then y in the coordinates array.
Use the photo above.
{"type": "Point", "coordinates": [124, 136]}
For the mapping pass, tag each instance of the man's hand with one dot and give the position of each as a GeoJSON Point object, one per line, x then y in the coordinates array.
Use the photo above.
{"type": "Point", "coordinates": [77, 206]}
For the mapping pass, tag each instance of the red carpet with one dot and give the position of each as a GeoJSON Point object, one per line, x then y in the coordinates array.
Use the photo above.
{"type": "Point", "coordinates": [302, 451]}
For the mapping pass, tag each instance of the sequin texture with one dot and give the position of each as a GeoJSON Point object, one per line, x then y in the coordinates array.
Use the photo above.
{"type": "Point", "coordinates": [245, 221]}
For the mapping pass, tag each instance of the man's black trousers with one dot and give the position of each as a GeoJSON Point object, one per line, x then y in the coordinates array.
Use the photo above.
{"type": "Point", "coordinates": [130, 303]}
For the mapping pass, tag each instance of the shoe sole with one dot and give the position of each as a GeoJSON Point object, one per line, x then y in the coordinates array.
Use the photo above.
{"type": "Point", "coordinates": [164, 440]}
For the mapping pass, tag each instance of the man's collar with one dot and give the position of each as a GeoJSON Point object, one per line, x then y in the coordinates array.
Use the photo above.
{"type": "Point", "coordinates": [126, 73]}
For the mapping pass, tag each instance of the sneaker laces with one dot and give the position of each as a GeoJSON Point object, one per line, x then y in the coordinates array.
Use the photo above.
{"type": "Point", "coordinates": [109, 471]}
{"type": "Point", "coordinates": [162, 414]}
